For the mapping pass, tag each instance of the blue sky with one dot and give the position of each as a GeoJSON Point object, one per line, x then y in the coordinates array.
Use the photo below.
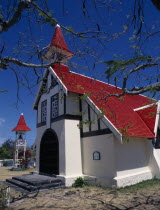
{"type": "Point", "coordinates": [70, 14]}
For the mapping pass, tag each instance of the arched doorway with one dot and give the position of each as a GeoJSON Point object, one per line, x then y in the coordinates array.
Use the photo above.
{"type": "Point", "coordinates": [49, 153]}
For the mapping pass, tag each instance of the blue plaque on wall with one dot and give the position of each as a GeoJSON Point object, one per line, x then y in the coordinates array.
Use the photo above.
{"type": "Point", "coordinates": [96, 155]}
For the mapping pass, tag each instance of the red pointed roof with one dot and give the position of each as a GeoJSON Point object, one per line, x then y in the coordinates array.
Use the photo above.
{"type": "Point", "coordinates": [21, 125]}
{"type": "Point", "coordinates": [58, 40]}
{"type": "Point", "coordinates": [119, 111]}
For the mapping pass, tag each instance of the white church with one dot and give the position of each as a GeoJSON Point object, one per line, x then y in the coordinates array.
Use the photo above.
{"type": "Point", "coordinates": [111, 142]}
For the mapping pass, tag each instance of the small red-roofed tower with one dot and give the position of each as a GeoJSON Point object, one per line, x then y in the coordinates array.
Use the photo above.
{"type": "Point", "coordinates": [20, 141]}
{"type": "Point", "coordinates": [57, 51]}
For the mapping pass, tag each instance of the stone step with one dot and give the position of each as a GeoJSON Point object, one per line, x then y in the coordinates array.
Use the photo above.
{"type": "Point", "coordinates": [30, 188]}
{"type": "Point", "coordinates": [21, 185]}
{"type": "Point", "coordinates": [34, 182]}
{"type": "Point", "coordinates": [37, 182]}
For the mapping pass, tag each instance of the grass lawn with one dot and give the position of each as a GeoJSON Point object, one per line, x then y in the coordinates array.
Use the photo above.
{"type": "Point", "coordinates": [6, 173]}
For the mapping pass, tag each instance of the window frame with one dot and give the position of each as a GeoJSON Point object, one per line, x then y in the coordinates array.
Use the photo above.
{"type": "Point", "coordinates": [42, 120]}
{"type": "Point", "coordinates": [56, 95]}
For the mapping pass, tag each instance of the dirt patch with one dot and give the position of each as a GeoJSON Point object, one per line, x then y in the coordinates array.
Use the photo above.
{"type": "Point", "coordinates": [91, 197]}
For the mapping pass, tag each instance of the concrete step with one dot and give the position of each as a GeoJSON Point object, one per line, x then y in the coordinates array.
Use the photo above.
{"type": "Point", "coordinates": [32, 183]}
{"type": "Point", "coordinates": [21, 185]}
{"type": "Point", "coordinates": [37, 182]}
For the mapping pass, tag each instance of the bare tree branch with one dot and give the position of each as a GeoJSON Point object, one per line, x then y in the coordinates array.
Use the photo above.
{"type": "Point", "coordinates": [5, 25]}
{"type": "Point", "coordinates": [6, 60]}
{"type": "Point", "coordinates": [143, 66]}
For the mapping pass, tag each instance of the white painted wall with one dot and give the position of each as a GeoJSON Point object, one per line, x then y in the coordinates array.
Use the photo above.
{"type": "Point", "coordinates": [94, 120]}
{"type": "Point", "coordinates": [85, 115]}
{"type": "Point", "coordinates": [99, 168]}
{"type": "Point", "coordinates": [72, 104]}
{"type": "Point", "coordinates": [102, 125]}
{"type": "Point", "coordinates": [132, 156]}
{"type": "Point", "coordinates": [40, 132]}
{"type": "Point", "coordinates": [59, 128]}
{"type": "Point", "coordinates": [73, 148]}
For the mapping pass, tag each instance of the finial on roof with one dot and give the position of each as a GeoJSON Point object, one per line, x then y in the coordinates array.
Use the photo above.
{"type": "Point", "coordinates": [58, 25]}
{"type": "Point", "coordinates": [21, 113]}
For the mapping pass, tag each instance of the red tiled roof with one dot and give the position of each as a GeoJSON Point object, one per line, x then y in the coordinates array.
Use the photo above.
{"type": "Point", "coordinates": [58, 40]}
{"type": "Point", "coordinates": [21, 125]}
{"type": "Point", "coordinates": [119, 111]}
{"type": "Point", "coordinates": [148, 115]}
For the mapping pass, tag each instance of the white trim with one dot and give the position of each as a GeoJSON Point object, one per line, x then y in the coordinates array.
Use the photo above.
{"type": "Point", "coordinates": [144, 107]}
{"type": "Point", "coordinates": [39, 88]}
{"type": "Point", "coordinates": [157, 118]}
{"type": "Point", "coordinates": [55, 75]}
{"type": "Point", "coordinates": [105, 120]}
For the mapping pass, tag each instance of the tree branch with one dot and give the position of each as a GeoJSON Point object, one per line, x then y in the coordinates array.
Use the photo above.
{"type": "Point", "coordinates": [143, 66]}
{"type": "Point", "coordinates": [4, 63]}
{"type": "Point", "coordinates": [136, 90]}
{"type": "Point", "coordinates": [5, 25]}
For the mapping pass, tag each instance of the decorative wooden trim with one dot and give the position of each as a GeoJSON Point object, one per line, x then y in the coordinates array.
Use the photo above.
{"type": "Point", "coordinates": [64, 103]}
{"type": "Point", "coordinates": [99, 124]}
{"type": "Point", "coordinates": [89, 118]}
{"type": "Point", "coordinates": [96, 133]}
{"type": "Point", "coordinates": [40, 124]}
{"type": "Point", "coordinates": [41, 111]}
{"type": "Point", "coordinates": [66, 117]}
{"type": "Point", "coordinates": [51, 105]}
{"type": "Point", "coordinates": [80, 110]}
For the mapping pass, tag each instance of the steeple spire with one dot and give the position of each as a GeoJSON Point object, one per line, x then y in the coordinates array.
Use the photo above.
{"type": "Point", "coordinates": [58, 50]}
{"type": "Point", "coordinates": [21, 125]}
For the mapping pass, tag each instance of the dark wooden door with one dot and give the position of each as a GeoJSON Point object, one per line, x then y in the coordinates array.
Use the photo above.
{"type": "Point", "coordinates": [49, 153]}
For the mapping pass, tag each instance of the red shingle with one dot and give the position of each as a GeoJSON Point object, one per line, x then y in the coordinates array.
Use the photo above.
{"type": "Point", "coordinates": [148, 115]}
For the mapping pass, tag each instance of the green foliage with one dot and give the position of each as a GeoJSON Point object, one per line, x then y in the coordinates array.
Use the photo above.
{"type": "Point", "coordinates": [4, 153]}
{"type": "Point", "coordinates": [114, 66]}
{"type": "Point", "coordinates": [48, 18]}
{"type": "Point", "coordinates": [79, 182]}
{"type": "Point", "coordinates": [7, 149]}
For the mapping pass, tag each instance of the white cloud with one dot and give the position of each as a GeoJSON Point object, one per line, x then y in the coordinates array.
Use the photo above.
{"type": "Point", "coordinates": [2, 120]}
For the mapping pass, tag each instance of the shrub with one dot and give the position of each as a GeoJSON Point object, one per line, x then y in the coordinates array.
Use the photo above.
{"type": "Point", "coordinates": [79, 182]}
{"type": "Point", "coordinates": [24, 162]}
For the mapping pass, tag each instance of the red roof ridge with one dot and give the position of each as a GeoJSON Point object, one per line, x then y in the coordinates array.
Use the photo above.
{"type": "Point", "coordinates": [21, 125]}
{"type": "Point", "coordinates": [94, 79]}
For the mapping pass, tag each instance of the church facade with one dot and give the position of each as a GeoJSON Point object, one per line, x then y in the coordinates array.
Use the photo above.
{"type": "Point", "coordinates": [83, 133]}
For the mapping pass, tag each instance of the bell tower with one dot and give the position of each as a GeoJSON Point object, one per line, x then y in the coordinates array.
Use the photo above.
{"type": "Point", "coordinates": [57, 51]}
{"type": "Point", "coordinates": [20, 141]}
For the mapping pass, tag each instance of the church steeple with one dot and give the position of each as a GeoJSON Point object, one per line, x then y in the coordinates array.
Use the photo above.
{"type": "Point", "coordinates": [58, 50]}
